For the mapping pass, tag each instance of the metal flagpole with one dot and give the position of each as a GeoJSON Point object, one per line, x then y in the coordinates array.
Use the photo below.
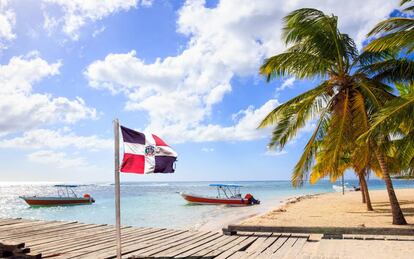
{"type": "Point", "coordinates": [343, 186]}
{"type": "Point", "coordinates": [117, 191]}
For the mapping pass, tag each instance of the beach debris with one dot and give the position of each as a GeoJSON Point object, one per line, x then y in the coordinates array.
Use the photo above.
{"type": "Point", "coordinates": [17, 250]}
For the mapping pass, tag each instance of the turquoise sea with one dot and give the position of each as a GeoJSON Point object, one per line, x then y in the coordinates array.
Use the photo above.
{"type": "Point", "coordinates": [158, 204]}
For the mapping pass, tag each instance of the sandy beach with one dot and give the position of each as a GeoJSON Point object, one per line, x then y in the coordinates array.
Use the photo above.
{"type": "Point", "coordinates": [337, 210]}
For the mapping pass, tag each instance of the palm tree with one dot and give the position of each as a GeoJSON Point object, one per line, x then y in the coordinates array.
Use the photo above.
{"type": "Point", "coordinates": [399, 33]}
{"type": "Point", "coordinates": [395, 121]}
{"type": "Point", "coordinates": [341, 103]}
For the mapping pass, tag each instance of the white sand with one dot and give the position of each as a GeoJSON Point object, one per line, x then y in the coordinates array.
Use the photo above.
{"type": "Point", "coordinates": [337, 210]}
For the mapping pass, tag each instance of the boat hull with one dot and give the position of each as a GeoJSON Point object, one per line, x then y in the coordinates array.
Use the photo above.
{"type": "Point", "coordinates": [56, 201]}
{"type": "Point", "coordinates": [197, 199]}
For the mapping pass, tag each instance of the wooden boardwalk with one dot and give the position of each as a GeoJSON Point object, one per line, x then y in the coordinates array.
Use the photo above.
{"type": "Point", "coordinates": [58, 239]}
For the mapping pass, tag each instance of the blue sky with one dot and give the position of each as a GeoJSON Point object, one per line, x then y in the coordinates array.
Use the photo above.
{"type": "Point", "coordinates": [185, 70]}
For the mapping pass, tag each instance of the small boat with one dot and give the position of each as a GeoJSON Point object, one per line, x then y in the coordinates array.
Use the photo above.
{"type": "Point", "coordinates": [347, 188]}
{"type": "Point", "coordinates": [227, 194]}
{"type": "Point", "coordinates": [65, 197]}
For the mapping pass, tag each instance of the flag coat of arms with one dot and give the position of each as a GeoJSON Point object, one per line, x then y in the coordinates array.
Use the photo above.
{"type": "Point", "coordinates": [146, 153]}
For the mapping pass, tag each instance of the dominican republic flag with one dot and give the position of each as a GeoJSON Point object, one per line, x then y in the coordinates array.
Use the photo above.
{"type": "Point", "coordinates": [146, 153]}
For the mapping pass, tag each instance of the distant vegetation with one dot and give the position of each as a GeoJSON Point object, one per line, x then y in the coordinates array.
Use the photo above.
{"type": "Point", "coordinates": [361, 123]}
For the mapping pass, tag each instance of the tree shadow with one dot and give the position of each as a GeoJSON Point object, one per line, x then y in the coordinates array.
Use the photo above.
{"type": "Point", "coordinates": [383, 209]}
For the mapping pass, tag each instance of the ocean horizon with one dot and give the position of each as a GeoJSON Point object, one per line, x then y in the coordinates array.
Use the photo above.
{"type": "Point", "coordinates": [159, 204]}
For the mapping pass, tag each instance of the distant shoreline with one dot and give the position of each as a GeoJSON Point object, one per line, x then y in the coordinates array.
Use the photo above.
{"type": "Point", "coordinates": [403, 177]}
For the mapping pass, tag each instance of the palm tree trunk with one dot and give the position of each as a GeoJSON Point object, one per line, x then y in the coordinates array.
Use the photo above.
{"type": "Point", "coordinates": [364, 190]}
{"type": "Point", "coordinates": [361, 186]}
{"type": "Point", "coordinates": [397, 215]}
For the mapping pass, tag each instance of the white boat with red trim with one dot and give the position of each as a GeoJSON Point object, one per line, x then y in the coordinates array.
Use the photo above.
{"type": "Point", "coordinates": [227, 194]}
{"type": "Point", "coordinates": [65, 197]}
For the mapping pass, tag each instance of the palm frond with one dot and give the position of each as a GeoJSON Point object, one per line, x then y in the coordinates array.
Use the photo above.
{"type": "Point", "coordinates": [308, 97]}
{"type": "Point", "coordinates": [313, 32]}
{"type": "Point", "coordinates": [402, 2]}
{"type": "Point", "coordinates": [392, 70]}
{"type": "Point", "coordinates": [392, 116]}
{"type": "Point", "coordinates": [298, 64]}
{"type": "Point", "coordinates": [305, 162]}
{"type": "Point", "coordinates": [360, 152]}
{"type": "Point", "coordinates": [367, 58]}
{"type": "Point", "coordinates": [339, 135]}
{"type": "Point", "coordinates": [398, 40]}
{"type": "Point", "coordinates": [392, 25]}
{"type": "Point", "coordinates": [375, 92]}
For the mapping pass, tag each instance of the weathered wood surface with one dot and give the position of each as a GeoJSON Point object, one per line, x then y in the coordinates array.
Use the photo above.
{"type": "Point", "coordinates": [55, 239]}
{"type": "Point", "coordinates": [327, 231]}
{"type": "Point", "coordinates": [17, 250]}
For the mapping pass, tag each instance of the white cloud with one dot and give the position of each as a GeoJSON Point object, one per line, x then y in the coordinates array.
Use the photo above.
{"type": "Point", "coordinates": [275, 153]}
{"type": "Point", "coordinates": [22, 109]}
{"type": "Point", "coordinates": [7, 22]}
{"type": "Point", "coordinates": [98, 31]}
{"type": "Point", "coordinates": [179, 92]}
{"type": "Point", "coordinates": [57, 160]}
{"type": "Point", "coordinates": [45, 138]}
{"type": "Point", "coordinates": [245, 128]}
{"type": "Point", "coordinates": [77, 13]}
{"type": "Point", "coordinates": [50, 23]}
{"type": "Point", "coordinates": [288, 83]}
{"type": "Point", "coordinates": [207, 149]}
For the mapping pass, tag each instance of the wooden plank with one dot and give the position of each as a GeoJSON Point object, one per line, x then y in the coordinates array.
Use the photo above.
{"type": "Point", "coordinates": [140, 249]}
{"type": "Point", "coordinates": [262, 241]}
{"type": "Point", "coordinates": [241, 246]}
{"type": "Point", "coordinates": [85, 249]}
{"type": "Point", "coordinates": [315, 237]}
{"type": "Point", "coordinates": [296, 248]}
{"type": "Point", "coordinates": [183, 246]}
{"type": "Point", "coordinates": [275, 246]}
{"type": "Point", "coordinates": [238, 239]}
{"type": "Point", "coordinates": [143, 246]}
{"type": "Point", "coordinates": [66, 237]}
{"type": "Point", "coordinates": [324, 230]}
{"type": "Point", "coordinates": [32, 232]}
{"type": "Point", "coordinates": [199, 249]}
{"type": "Point", "coordinates": [165, 244]}
{"type": "Point", "coordinates": [77, 242]}
{"type": "Point", "coordinates": [42, 236]}
{"type": "Point", "coordinates": [214, 247]}
{"type": "Point", "coordinates": [80, 238]}
{"type": "Point", "coordinates": [23, 224]}
{"type": "Point", "coordinates": [17, 250]}
{"type": "Point", "coordinates": [255, 246]}
{"type": "Point", "coordinates": [109, 249]}
{"type": "Point", "coordinates": [171, 247]}
{"type": "Point", "coordinates": [10, 246]}
{"type": "Point", "coordinates": [81, 242]}
{"type": "Point", "coordinates": [255, 252]}
{"type": "Point", "coordinates": [281, 252]}
{"type": "Point", "coordinates": [27, 229]}
{"type": "Point", "coordinates": [60, 225]}
{"type": "Point", "coordinates": [69, 231]}
{"type": "Point", "coordinates": [10, 222]}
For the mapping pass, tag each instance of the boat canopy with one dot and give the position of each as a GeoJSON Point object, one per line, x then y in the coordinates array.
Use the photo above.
{"type": "Point", "coordinates": [227, 190]}
{"type": "Point", "coordinates": [225, 185]}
